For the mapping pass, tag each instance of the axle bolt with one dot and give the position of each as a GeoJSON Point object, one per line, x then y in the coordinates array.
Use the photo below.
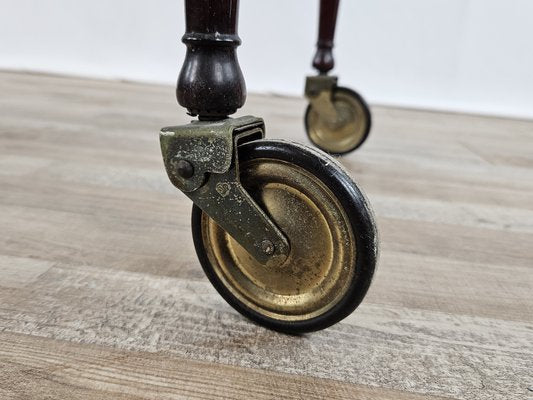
{"type": "Point", "coordinates": [268, 247]}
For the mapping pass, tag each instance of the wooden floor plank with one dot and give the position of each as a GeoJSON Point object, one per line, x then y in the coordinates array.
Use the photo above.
{"type": "Point", "coordinates": [38, 367]}
{"type": "Point", "coordinates": [101, 294]}
{"type": "Point", "coordinates": [435, 353]}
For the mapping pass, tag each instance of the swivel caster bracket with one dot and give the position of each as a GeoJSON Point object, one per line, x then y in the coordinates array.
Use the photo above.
{"type": "Point", "coordinates": [319, 92]}
{"type": "Point", "coordinates": [201, 159]}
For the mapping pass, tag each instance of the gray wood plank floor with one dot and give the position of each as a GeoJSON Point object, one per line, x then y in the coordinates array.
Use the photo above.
{"type": "Point", "coordinates": [101, 294]}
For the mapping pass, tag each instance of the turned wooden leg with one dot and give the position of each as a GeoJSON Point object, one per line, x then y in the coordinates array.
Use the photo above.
{"type": "Point", "coordinates": [211, 84]}
{"type": "Point", "coordinates": [323, 60]}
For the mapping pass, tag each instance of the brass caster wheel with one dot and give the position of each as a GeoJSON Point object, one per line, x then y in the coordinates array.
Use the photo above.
{"type": "Point", "coordinates": [330, 228]}
{"type": "Point", "coordinates": [345, 129]}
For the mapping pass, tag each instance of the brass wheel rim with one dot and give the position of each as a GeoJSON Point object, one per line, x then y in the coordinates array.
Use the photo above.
{"type": "Point", "coordinates": [345, 132]}
{"type": "Point", "coordinates": [321, 265]}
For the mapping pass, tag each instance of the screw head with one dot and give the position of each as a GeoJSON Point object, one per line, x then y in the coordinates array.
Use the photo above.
{"type": "Point", "coordinates": [268, 247]}
{"type": "Point", "coordinates": [183, 168]}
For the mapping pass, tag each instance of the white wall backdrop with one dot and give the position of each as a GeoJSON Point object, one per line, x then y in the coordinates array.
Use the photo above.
{"type": "Point", "coordinates": [464, 55]}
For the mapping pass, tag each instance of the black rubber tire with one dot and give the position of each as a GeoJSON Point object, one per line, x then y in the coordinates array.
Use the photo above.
{"type": "Point", "coordinates": [368, 117]}
{"type": "Point", "coordinates": [357, 209]}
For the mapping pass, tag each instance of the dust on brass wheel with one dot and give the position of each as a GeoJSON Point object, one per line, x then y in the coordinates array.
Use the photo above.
{"type": "Point", "coordinates": [331, 231]}
{"type": "Point", "coordinates": [348, 131]}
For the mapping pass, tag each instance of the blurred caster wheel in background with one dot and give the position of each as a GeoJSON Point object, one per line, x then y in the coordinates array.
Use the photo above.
{"type": "Point", "coordinates": [343, 131]}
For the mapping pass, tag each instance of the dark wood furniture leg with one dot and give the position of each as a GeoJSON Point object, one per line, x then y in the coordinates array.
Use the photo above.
{"type": "Point", "coordinates": [323, 60]}
{"type": "Point", "coordinates": [211, 84]}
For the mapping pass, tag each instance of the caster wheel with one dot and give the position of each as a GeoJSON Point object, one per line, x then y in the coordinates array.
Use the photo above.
{"type": "Point", "coordinates": [331, 231]}
{"type": "Point", "coordinates": [345, 133]}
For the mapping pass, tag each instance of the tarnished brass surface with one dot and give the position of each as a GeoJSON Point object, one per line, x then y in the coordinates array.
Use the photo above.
{"type": "Point", "coordinates": [341, 131]}
{"type": "Point", "coordinates": [321, 263]}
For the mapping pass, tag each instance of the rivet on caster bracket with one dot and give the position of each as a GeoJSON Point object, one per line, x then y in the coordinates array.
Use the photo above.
{"type": "Point", "coordinates": [183, 168]}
